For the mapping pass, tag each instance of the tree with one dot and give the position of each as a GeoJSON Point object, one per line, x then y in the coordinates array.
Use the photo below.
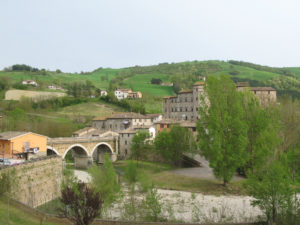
{"type": "Point", "coordinates": [82, 203]}
{"type": "Point", "coordinates": [152, 205]}
{"type": "Point", "coordinates": [131, 175]}
{"type": "Point", "coordinates": [222, 128]}
{"type": "Point", "coordinates": [156, 81]}
{"type": "Point", "coordinates": [173, 144]}
{"type": "Point", "coordinates": [290, 132]}
{"type": "Point", "coordinates": [262, 132]}
{"type": "Point", "coordinates": [104, 182]}
{"type": "Point", "coordinates": [140, 145]}
{"type": "Point", "coordinates": [271, 189]}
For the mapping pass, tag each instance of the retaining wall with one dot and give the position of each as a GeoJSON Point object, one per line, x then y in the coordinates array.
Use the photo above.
{"type": "Point", "coordinates": [37, 181]}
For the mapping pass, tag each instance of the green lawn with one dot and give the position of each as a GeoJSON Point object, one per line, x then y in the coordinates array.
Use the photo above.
{"type": "Point", "coordinates": [161, 176]}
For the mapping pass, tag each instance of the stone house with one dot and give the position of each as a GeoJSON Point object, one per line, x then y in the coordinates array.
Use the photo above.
{"type": "Point", "coordinates": [120, 121]}
{"type": "Point", "coordinates": [134, 95]}
{"type": "Point", "coordinates": [265, 95]}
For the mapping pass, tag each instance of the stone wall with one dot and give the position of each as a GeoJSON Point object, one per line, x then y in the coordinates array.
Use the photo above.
{"type": "Point", "coordinates": [36, 182]}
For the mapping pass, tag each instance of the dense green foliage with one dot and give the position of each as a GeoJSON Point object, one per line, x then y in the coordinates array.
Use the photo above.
{"type": "Point", "coordinates": [171, 145]}
{"type": "Point", "coordinates": [222, 127]}
{"type": "Point", "coordinates": [129, 105]}
{"type": "Point", "coordinates": [104, 181]}
{"type": "Point", "coordinates": [140, 146]}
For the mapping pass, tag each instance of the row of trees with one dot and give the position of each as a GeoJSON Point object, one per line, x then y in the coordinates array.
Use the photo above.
{"type": "Point", "coordinates": [129, 105]}
{"type": "Point", "coordinates": [168, 145]}
{"type": "Point", "coordinates": [236, 132]}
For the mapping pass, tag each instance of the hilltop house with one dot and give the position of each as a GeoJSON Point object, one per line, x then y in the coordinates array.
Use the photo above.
{"type": "Point", "coordinates": [127, 93]}
{"type": "Point", "coordinates": [54, 87]}
{"type": "Point", "coordinates": [103, 93]}
{"type": "Point", "coordinates": [29, 82]}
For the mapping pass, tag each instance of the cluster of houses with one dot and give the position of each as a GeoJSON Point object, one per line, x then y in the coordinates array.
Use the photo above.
{"type": "Point", "coordinates": [181, 109]}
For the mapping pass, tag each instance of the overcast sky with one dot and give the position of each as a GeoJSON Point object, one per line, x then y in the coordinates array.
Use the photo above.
{"type": "Point", "coordinates": [82, 35]}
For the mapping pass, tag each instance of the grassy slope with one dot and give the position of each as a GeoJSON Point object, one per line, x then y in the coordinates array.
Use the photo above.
{"type": "Point", "coordinates": [295, 70]}
{"type": "Point", "coordinates": [19, 215]}
{"type": "Point", "coordinates": [138, 82]}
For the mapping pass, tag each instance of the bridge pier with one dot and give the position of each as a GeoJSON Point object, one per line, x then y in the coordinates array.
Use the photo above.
{"type": "Point", "coordinates": [82, 161]}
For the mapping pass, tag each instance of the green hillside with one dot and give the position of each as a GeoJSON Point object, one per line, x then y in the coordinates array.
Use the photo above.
{"type": "Point", "coordinates": [182, 75]}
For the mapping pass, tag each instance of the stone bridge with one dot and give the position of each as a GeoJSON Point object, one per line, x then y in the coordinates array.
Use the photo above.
{"type": "Point", "coordinates": [85, 150]}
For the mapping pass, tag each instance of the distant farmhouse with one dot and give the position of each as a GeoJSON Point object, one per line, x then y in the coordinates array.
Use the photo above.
{"type": "Point", "coordinates": [29, 82]}
{"type": "Point", "coordinates": [185, 105]}
{"type": "Point", "coordinates": [103, 93]}
{"type": "Point", "coordinates": [54, 87]}
{"type": "Point", "coordinates": [127, 93]}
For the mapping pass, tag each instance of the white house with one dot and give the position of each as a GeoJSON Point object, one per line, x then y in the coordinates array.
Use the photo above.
{"type": "Point", "coordinates": [29, 82]}
{"type": "Point", "coordinates": [53, 87]}
{"type": "Point", "coordinates": [122, 93]}
{"type": "Point", "coordinates": [103, 93]}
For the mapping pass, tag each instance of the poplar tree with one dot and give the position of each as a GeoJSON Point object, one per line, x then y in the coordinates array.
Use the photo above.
{"type": "Point", "coordinates": [222, 128]}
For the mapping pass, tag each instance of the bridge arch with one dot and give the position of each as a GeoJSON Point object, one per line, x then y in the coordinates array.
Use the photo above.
{"type": "Point", "coordinates": [52, 149]}
{"type": "Point", "coordinates": [74, 146]}
{"type": "Point", "coordinates": [98, 153]}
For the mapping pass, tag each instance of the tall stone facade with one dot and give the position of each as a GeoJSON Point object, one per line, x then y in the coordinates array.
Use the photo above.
{"type": "Point", "coordinates": [36, 182]}
{"type": "Point", "coordinates": [185, 105]}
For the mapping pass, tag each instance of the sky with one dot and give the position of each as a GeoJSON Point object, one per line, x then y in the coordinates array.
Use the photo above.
{"type": "Point", "coordinates": [83, 35]}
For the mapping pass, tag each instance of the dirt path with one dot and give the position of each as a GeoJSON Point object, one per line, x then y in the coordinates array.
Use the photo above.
{"type": "Point", "coordinates": [203, 172]}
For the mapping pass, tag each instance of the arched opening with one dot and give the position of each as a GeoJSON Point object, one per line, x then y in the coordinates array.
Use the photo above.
{"type": "Point", "coordinates": [76, 156]}
{"type": "Point", "coordinates": [99, 152]}
{"type": "Point", "coordinates": [51, 151]}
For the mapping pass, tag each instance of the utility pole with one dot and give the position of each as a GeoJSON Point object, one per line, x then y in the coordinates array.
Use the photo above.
{"type": "Point", "coordinates": [7, 193]}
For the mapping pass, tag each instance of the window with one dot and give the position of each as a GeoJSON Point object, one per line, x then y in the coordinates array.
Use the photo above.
{"type": "Point", "coordinates": [191, 99]}
{"type": "Point", "coordinates": [125, 151]}
{"type": "Point", "coordinates": [269, 92]}
{"type": "Point", "coordinates": [192, 109]}
{"type": "Point", "coordinates": [197, 109]}
{"type": "Point", "coordinates": [125, 142]}
{"type": "Point", "coordinates": [161, 126]}
{"type": "Point", "coordinates": [186, 109]}
{"type": "Point", "coordinates": [180, 109]}
{"type": "Point", "coordinates": [128, 135]}
{"type": "Point", "coordinates": [172, 109]}
{"type": "Point", "coordinates": [110, 126]}
{"type": "Point", "coordinates": [121, 135]}
{"type": "Point", "coordinates": [196, 98]}
{"type": "Point", "coordinates": [185, 99]}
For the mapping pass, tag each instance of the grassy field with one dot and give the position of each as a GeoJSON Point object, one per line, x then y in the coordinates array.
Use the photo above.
{"type": "Point", "coordinates": [161, 176]}
{"type": "Point", "coordinates": [89, 109]}
{"type": "Point", "coordinates": [18, 94]}
{"type": "Point", "coordinates": [142, 82]}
